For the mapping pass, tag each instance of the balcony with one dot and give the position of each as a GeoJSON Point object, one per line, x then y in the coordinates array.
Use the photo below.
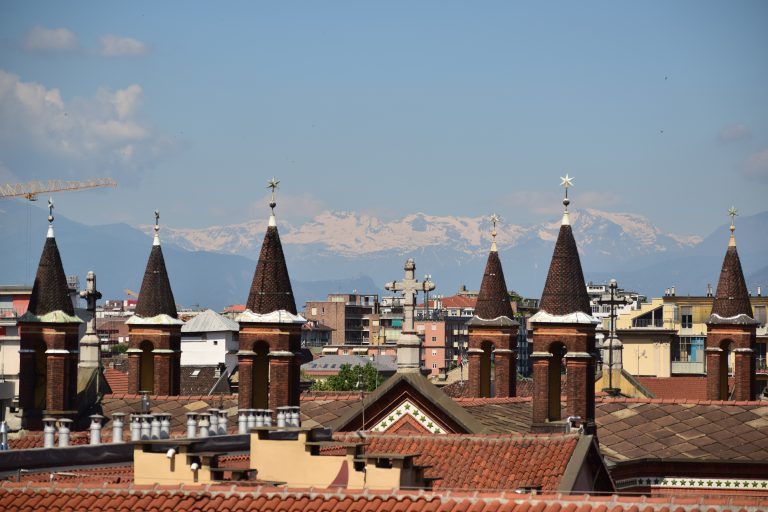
{"type": "Point", "coordinates": [687, 368]}
{"type": "Point", "coordinates": [645, 323]}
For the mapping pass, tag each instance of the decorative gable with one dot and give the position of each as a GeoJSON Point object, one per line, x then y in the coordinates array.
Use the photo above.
{"type": "Point", "coordinates": [408, 417]}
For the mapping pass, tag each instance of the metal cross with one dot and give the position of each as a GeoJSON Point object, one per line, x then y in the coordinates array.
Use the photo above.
{"type": "Point", "coordinates": [157, 221]}
{"type": "Point", "coordinates": [409, 287]}
{"type": "Point", "coordinates": [50, 209]}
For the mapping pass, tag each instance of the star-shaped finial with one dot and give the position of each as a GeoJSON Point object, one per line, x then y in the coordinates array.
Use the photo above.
{"type": "Point", "coordinates": [566, 183]}
{"type": "Point", "coordinates": [273, 183]}
{"type": "Point", "coordinates": [733, 212]}
{"type": "Point", "coordinates": [494, 220]}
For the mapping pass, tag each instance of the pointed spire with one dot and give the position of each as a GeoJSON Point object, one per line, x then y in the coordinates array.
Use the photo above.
{"type": "Point", "coordinates": [732, 296]}
{"type": "Point", "coordinates": [156, 296]}
{"type": "Point", "coordinates": [493, 298]}
{"type": "Point", "coordinates": [564, 291]}
{"type": "Point", "coordinates": [50, 291]}
{"type": "Point", "coordinates": [271, 287]}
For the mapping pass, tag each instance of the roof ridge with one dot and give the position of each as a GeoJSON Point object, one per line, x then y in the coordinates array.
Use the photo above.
{"type": "Point", "coordinates": [693, 401]}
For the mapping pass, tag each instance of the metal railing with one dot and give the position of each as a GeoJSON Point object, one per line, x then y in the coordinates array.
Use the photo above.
{"type": "Point", "coordinates": [648, 322]}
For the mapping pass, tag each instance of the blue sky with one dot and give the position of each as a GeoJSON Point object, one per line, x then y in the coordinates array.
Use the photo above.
{"type": "Point", "coordinates": [461, 108]}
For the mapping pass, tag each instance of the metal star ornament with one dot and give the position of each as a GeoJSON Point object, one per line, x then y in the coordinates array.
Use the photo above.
{"type": "Point", "coordinates": [273, 183]}
{"type": "Point", "coordinates": [733, 212]}
{"type": "Point", "coordinates": [494, 219]}
{"type": "Point", "coordinates": [567, 182]}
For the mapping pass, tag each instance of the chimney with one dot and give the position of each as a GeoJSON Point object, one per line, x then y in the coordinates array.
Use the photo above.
{"type": "Point", "coordinates": [759, 292]}
{"type": "Point", "coordinates": [709, 289]}
{"type": "Point", "coordinates": [673, 291]}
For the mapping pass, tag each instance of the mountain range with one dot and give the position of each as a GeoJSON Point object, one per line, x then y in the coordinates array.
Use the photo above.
{"type": "Point", "coordinates": [347, 251]}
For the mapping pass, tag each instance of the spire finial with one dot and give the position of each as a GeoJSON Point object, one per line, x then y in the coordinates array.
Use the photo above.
{"type": "Point", "coordinates": [733, 212]}
{"type": "Point", "coordinates": [566, 182]}
{"type": "Point", "coordinates": [494, 220]}
{"type": "Point", "coordinates": [50, 217]}
{"type": "Point", "coordinates": [272, 184]}
{"type": "Point", "coordinates": [156, 240]}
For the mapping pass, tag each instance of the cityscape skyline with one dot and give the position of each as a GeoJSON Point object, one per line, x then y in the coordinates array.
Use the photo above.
{"type": "Point", "coordinates": [447, 109]}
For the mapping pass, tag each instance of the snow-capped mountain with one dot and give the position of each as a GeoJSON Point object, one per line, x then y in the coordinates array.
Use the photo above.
{"type": "Point", "coordinates": [353, 235]}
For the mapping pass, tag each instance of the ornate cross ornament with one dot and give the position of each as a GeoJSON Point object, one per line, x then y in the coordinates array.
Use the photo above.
{"type": "Point", "coordinates": [733, 212]}
{"type": "Point", "coordinates": [409, 287]}
{"type": "Point", "coordinates": [50, 209]}
{"type": "Point", "coordinates": [273, 184]}
{"type": "Point", "coordinates": [494, 220]}
{"type": "Point", "coordinates": [157, 221]}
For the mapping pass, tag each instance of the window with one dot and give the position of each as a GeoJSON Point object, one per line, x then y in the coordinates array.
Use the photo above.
{"type": "Point", "coordinates": [434, 365]}
{"type": "Point", "coordinates": [215, 342]}
{"type": "Point", "coordinates": [434, 338]}
{"type": "Point", "coordinates": [195, 373]}
{"type": "Point", "coordinates": [434, 352]}
{"type": "Point", "coordinates": [688, 349]}
{"type": "Point", "coordinates": [760, 315]}
{"type": "Point", "coordinates": [686, 317]}
{"type": "Point", "coordinates": [434, 327]}
{"type": "Point", "coordinates": [314, 311]}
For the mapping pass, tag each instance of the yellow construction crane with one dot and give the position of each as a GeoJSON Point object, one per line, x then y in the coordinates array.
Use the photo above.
{"type": "Point", "coordinates": [130, 293]}
{"type": "Point", "coordinates": [33, 188]}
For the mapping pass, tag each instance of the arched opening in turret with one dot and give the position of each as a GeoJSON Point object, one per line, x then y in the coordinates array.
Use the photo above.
{"type": "Point", "coordinates": [260, 379]}
{"type": "Point", "coordinates": [726, 368]}
{"type": "Point", "coordinates": [486, 362]}
{"type": "Point", "coordinates": [556, 369]}
{"type": "Point", "coordinates": [41, 375]}
{"type": "Point", "coordinates": [147, 367]}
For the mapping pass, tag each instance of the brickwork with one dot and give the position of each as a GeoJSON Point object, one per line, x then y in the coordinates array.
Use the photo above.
{"type": "Point", "coordinates": [579, 343]}
{"type": "Point", "coordinates": [57, 346]}
{"type": "Point", "coordinates": [503, 338]}
{"type": "Point", "coordinates": [166, 342]}
{"type": "Point", "coordinates": [742, 340]}
{"type": "Point", "coordinates": [284, 370]}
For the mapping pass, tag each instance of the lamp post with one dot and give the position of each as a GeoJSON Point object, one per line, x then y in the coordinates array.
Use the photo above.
{"type": "Point", "coordinates": [612, 300]}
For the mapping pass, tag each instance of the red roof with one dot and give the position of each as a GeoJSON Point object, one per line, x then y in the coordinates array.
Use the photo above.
{"type": "Point", "coordinates": [117, 380]}
{"type": "Point", "coordinates": [220, 497]}
{"type": "Point", "coordinates": [691, 388]}
{"type": "Point", "coordinates": [481, 462]}
{"type": "Point", "coordinates": [457, 301]}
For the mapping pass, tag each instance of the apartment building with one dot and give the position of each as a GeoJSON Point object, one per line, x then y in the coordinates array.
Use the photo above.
{"type": "Point", "coordinates": [353, 317]}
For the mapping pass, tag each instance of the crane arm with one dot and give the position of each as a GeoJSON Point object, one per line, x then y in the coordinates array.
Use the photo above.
{"type": "Point", "coordinates": [33, 188]}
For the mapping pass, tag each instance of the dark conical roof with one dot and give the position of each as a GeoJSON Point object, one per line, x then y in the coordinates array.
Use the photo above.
{"type": "Point", "coordinates": [50, 291]}
{"type": "Point", "coordinates": [271, 288]}
{"type": "Point", "coordinates": [565, 291]}
{"type": "Point", "coordinates": [156, 296]}
{"type": "Point", "coordinates": [732, 297]}
{"type": "Point", "coordinates": [493, 299]}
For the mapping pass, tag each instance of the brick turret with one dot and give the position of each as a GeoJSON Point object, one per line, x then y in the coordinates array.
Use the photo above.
{"type": "Point", "coordinates": [48, 341]}
{"type": "Point", "coordinates": [154, 353]}
{"type": "Point", "coordinates": [270, 330]}
{"type": "Point", "coordinates": [564, 333]}
{"type": "Point", "coordinates": [493, 329]}
{"type": "Point", "coordinates": [731, 327]}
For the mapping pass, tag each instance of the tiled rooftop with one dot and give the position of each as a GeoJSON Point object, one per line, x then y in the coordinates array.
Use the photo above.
{"type": "Point", "coordinates": [488, 463]}
{"type": "Point", "coordinates": [117, 380]}
{"type": "Point", "coordinates": [66, 496]}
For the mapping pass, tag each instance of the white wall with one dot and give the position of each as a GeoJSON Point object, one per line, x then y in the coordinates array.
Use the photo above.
{"type": "Point", "coordinates": [208, 349]}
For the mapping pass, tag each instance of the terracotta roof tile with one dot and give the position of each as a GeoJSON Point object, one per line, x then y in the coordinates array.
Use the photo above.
{"type": "Point", "coordinates": [117, 380]}
{"type": "Point", "coordinates": [475, 462]}
{"type": "Point", "coordinates": [271, 287]}
{"type": "Point", "coordinates": [50, 291]}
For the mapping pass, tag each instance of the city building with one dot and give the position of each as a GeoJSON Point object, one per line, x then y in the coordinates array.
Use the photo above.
{"type": "Point", "coordinates": [352, 317]}
{"type": "Point", "coordinates": [210, 339]}
{"type": "Point", "coordinates": [14, 300]}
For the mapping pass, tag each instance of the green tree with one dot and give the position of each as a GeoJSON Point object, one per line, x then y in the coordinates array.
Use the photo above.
{"type": "Point", "coordinates": [350, 378]}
